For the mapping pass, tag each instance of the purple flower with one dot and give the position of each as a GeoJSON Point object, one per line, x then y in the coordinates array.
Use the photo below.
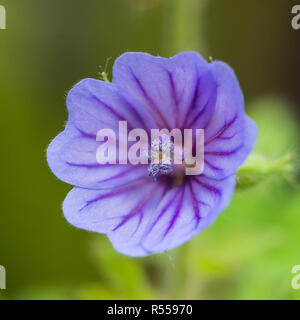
{"type": "Point", "coordinates": [149, 209]}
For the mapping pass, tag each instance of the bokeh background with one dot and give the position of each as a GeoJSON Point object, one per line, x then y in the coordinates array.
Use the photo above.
{"type": "Point", "coordinates": [50, 45]}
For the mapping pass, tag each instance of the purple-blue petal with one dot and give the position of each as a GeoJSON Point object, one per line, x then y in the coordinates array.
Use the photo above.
{"type": "Point", "coordinates": [186, 210]}
{"type": "Point", "coordinates": [144, 217]}
{"type": "Point", "coordinates": [94, 105]}
{"type": "Point", "coordinates": [181, 86]}
{"type": "Point", "coordinates": [230, 134]}
{"type": "Point", "coordinates": [72, 158]}
{"type": "Point", "coordinates": [122, 213]}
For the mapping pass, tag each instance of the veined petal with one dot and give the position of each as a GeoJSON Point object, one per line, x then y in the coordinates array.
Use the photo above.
{"type": "Point", "coordinates": [194, 89]}
{"type": "Point", "coordinates": [95, 104]}
{"type": "Point", "coordinates": [230, 135]}
{"type": "Point", "coordinates": [179, 86]}
{"type": "Point", "coordinates": [122, 213]}
{"type": "Point", "coordinates": [72, 158]}
{"type": "Point", "coordinates": [142, 218]}
{"type": "Point", "coordinates": [186, 210]}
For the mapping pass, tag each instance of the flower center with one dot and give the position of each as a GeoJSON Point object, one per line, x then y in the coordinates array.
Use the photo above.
{"type": "Point", "coordinates": [161, 156]}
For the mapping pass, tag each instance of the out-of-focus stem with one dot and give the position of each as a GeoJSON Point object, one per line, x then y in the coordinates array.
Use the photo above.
{"type": "Point", "coordinates": [259, 167]}
{"type": "Point", "coordinates": [182, 26]}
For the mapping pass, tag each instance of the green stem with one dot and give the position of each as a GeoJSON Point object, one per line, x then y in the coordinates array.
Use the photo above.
{"type": "Point", "coordinates": [182, 26]}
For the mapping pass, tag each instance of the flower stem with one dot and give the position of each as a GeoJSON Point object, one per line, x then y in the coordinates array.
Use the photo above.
{"type": "Point", "coordinates": [183, 27]}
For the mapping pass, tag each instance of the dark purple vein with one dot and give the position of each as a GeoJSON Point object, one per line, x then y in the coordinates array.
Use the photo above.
{"type": "Point", "coordinates": [195, 205]}
{"type": "Point", "coordinates": [224, 153]}
{"type": "Point", "coordinates": [163, 211]}
{"type": "Point", "coordinates": [208, 187]}
{"type": "Point", "coordinates": [212, 166]}
{"type": "Point", "coordinates": [112, 194]}
{"type": "Point", "coordinates": [192, 104]}
{"type": "Point", "coordinates": [149, 100]}
{"type": "Point", "coordinates": [111, 109]}
{"type": "Point", "coordinates": [119, 175]}
{"type": "Point", "coordinates": [222, 130]}
{"type": "Point", "coordinates": [199, 114]}
{"type": "Point", "coordinates": [173, 91]}
{"type": "Point", "coordinates": [177, 212]}
{"type": "Point", "coordinates": [136, 210]}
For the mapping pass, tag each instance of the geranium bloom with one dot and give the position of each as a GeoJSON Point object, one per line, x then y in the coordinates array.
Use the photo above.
{"type": "Point", "coordinates": [146, 209]}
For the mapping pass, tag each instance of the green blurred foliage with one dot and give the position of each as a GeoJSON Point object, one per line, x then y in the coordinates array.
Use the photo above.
{"type": "Point", "coordinates": [250, 250]}
{"type": "Point", "coordinates": [276, 157]}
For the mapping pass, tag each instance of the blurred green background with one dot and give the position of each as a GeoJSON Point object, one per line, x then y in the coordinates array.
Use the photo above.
{"type": "Point", "coordinates": [48, 47]}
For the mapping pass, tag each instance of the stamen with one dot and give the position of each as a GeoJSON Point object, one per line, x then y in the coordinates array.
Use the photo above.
{"type": "Point", "coordinates": [161, 156]}
{"type": "Point", "coordinates": [155, 145]}
{"type": "Point", "coordinates": [165, 166]}
{"type": "Point", "coordinates": [167, 146]}
{"type": "Point", "coordinates": [153, 171]}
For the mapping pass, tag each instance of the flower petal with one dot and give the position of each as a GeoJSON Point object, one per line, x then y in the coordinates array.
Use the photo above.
{"type": "Point", "coordinates": [194, 89]}
{"type": "Point", "coordinates": [186, 210]}
{"type": "Point", "coordinates": [143, 218]}
{"type": "Point", "coordinates": [178, 86]}
{"type": "Point", "coordinates": [230, 134]}
{"type": "Point", "coordinates": [72, 158]}
{"type": "Point", "coordinates": [95, 104]}
{"type": "Point", "coordinates": [122, 213]}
